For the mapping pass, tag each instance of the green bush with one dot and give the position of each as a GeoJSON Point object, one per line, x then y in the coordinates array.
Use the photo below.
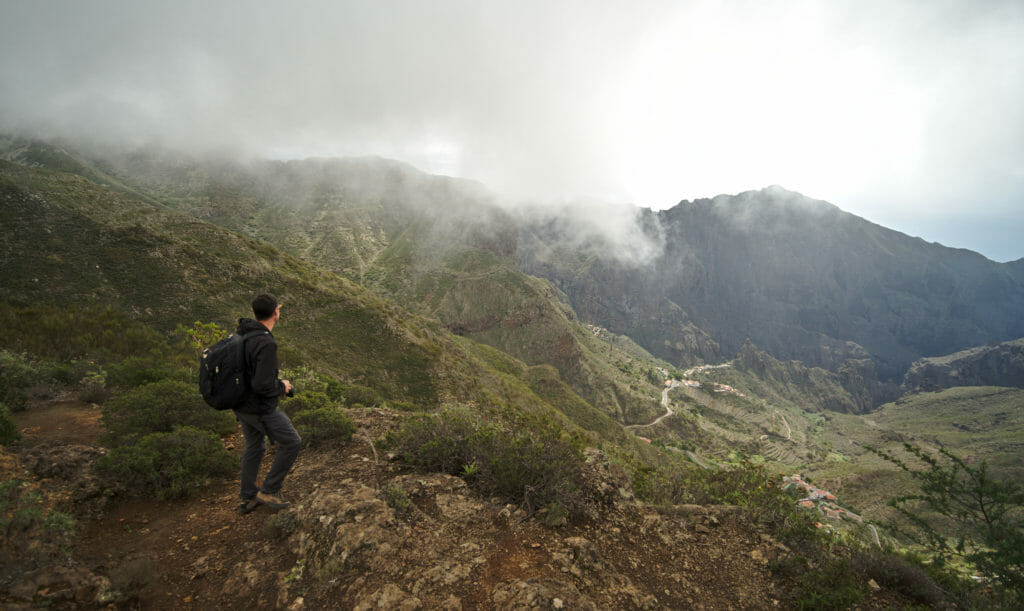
{"type": "Point", "coordinates": [322, 424]}
{"type": "Point", "coordinates": [305, 401]}
{"type": "Point", "coordinates": [307, 380]}
{"type": "Point", "coordinates": [8, 427]}
{"type": "Point", "coordinates": [17, 374]}
{"type": "Point", "coordinates": [527, 462]}
{"type": "Point", "coordinates": [139, 371]}
{"type": "Point", "coordinates": [397, 499]}
{"type": "Point", "coordinates": [168, 465]}
{"type": "Point", "coordinates": [360, 395]}
{"type": "Point", "coordinates": [159, 408]}
{"type": "Point", "coordinates": [828, 585]}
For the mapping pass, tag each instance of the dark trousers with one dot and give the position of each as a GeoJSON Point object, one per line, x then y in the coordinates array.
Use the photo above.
{"type": "Point", "coordinates": [256, 429]}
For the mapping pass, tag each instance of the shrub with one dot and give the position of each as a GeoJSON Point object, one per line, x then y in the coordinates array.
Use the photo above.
{"type": "Point", "coordinates": [397, 499]}
{"type": "Point", "coordinates": [306, 401]}
{"type": "Point", "coordinates": [8, 427]}
{"type": "Point", "coordinates": [360, 395]}
{"type": "Point", "coordinates": [16, 375]}
{"type": "Point", "coordinates": [159, 408]}
{"type": "Point", "coordinates": [139, 371]}
{"type": "Point", "coordinates": [94, 385]}
{"type": "Point", "coordinates": [168, 465]}
{"type": "Point", "coordinates": [905, 576]}
{"type": "Point", "coordinates": [528, 463]}
{"type": "Point", "coordinates": [322, 424]}
{"type": "Point", "coordinates": [830, 585]}
{"type": "Point", "coordinates": [307, 380]}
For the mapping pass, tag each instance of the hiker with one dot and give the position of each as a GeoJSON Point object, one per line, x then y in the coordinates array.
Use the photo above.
{"type": "Point", "coordinates": [258, 413]}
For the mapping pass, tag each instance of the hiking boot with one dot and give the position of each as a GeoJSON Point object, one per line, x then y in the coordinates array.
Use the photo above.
{"type": "Point", "coordinates": [272, 501]}
{"type": "Point", "coordinates": [248, 505]}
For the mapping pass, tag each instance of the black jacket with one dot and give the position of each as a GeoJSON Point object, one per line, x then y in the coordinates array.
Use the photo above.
{"type": "Point", "coordinates": [261, 369]}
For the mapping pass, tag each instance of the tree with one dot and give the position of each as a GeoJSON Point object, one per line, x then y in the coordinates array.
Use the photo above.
{"type": "Point", "coordinates": [963, 511]}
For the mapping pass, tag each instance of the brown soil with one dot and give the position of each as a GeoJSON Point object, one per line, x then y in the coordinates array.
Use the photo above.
{"type": "Point", "coordinates": [200, 553]}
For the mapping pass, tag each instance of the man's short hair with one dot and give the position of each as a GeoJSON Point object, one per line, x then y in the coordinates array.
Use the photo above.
{"type": "Point", "coordinates": [263, 306]}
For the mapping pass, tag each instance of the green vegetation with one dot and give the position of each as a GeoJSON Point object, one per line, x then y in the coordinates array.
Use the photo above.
{"type": "Point", "coordinates": [159, 408]}
{"type": "Point", "coordinates": [397, 499]}
{"type": "Point", "coordinates": [168, 465]}
{"type": "Point", "coordinates": [319, 425]}
{"type": "Point", "coordinates": [31, 533]}
{"type": "Point", "coordinates": [525, 462]}
{"type": "Point", "coordinates": [963, 511]}
{"type": "Point", "coordinates": [8, 428]}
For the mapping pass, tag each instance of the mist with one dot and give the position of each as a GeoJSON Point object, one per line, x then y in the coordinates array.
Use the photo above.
{"type": "Point", "coordinates": [906, 113]}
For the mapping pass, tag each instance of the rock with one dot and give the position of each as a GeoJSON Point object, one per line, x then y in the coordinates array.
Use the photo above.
{"type": "Point", "coordinates": [538, 594]}
{"type": "Point", "coordinates": [59, 586]}
{"type": "Point", "coordinates": [342, 525]}
{"type": "Point", "coordinates": [389, 597]}
{"type": "Point", "coordinates": [605, 483]}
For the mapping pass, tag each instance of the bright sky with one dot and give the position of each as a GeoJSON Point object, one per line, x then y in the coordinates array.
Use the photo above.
{"type": "Point", "coordinates": [908, 113]}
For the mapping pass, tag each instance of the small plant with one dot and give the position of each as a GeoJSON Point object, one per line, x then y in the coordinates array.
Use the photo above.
{"type": "Point", "coordinates": [168, 465]}
{"type": "Point", "coordinates": [397, 499]}
{"type": "Point", "coordinates": [323, 424]}
{"type": "Point", "coordinates": [200, 336]}
{"type": "Point", "coordinates": [283, 525]}
{"type": "Point", "coordinates": [94, 385]}
{"type": "Point", "coordinates": [30, 532]}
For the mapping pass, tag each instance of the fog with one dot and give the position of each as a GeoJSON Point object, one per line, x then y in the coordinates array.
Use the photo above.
{"type": "Point", "coordinates": [907, 113]}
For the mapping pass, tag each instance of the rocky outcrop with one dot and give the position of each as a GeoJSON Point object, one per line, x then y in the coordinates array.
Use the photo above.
{"type": "Point", "coordinates": [994, 365]}
{"type": "Point", "coordinates": [425, 541]}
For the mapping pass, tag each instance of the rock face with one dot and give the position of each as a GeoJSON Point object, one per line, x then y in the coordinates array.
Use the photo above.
{"type": "Point", "coordinates": [799, 277]}
{"type": "Point", "coordinates": [998, 365]}
{"type": "Point", "coordinates": [435, 545]}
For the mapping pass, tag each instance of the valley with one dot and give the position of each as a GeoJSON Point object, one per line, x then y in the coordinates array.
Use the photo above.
{"type": "Point", "coordinates": [749, 336]}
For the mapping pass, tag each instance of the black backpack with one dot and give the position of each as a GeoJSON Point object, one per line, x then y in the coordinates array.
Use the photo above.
{"type": "Point", "coordinates": [222, 372]}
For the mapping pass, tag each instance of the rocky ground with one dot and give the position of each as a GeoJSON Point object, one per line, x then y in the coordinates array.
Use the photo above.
{"type": "Point", "coordinates": [364, 532]}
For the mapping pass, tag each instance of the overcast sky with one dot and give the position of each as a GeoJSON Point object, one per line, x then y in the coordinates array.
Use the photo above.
{"type": "Point", "coordinates": [910, 114]}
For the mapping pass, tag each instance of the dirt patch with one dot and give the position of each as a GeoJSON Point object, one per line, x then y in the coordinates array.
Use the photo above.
{"type": "Point", "coordinates": [68, 421]}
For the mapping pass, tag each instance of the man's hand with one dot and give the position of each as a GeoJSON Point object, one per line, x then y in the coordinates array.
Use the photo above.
{"type": "Point", "coordinates": [287, 387]}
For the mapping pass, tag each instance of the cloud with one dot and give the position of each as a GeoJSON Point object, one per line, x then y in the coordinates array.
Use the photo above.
{"type": "Point", "coordinates": [882, 108]}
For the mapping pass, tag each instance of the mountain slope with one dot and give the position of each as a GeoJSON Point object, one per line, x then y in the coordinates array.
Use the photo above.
{"type": "Point", "coordinates": [437, 246]}
{"type": "Point", "coordinates": [68, 242]}
{"type": "Point", "coordinates": [994, 365]}
{"type": "Point", "coordinates": [799, 277]}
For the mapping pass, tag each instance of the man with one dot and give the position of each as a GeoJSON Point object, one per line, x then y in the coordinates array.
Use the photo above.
{"type": "Point", "coordinates": [258, 413]}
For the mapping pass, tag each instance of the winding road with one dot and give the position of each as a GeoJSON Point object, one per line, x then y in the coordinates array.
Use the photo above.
{"type": "Point", "coordinates": [664, 403]}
